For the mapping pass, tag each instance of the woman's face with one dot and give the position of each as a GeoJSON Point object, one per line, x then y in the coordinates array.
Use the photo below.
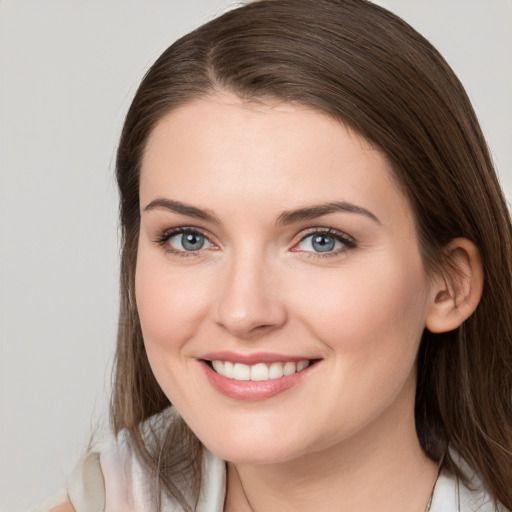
{"type": "Point", "coordinates": [279, 281]}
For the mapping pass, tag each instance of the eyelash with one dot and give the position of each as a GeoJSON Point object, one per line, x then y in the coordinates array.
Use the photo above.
{"type": "Point", "coordinates": [347, 241]}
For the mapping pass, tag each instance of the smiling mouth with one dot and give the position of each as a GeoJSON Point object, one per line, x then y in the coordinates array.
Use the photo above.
{"type": "Point", "coordinates": [258, 371]}
{"type": "Point", "coordinates": [259, 377]}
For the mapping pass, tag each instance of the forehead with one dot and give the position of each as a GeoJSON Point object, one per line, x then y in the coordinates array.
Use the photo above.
{"type": "Point", "coordinates": [222, 150]}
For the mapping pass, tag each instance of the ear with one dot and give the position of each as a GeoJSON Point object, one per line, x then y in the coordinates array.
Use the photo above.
{"type": "Point", "coordinates": [457, 289]}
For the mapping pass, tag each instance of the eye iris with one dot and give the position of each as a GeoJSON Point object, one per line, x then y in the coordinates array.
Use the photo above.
{"type": "Point", "coordinates": [192, 241]}
{"type": "Point", "coordinates": [322, 243]}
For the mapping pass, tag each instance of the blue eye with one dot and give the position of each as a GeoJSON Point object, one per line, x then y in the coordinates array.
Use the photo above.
{"type": "Point", "coordinates": [185, 241]}
{"type": "Point", "coordinates": [325, 242]}
{"type": "Point", "coordinates": [319, 242]}
{"type": "Point", "coordinates": [188, 241]}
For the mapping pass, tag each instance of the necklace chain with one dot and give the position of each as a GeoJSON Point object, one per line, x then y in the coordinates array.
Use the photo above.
{"type": "Point", "coordinates": [427, 509]}
{"type": "Point", "coordinates": [439, 469]}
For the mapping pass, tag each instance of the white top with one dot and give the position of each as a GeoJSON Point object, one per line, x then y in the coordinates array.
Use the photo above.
{"type": "Point", "coordinates": [109, 478]}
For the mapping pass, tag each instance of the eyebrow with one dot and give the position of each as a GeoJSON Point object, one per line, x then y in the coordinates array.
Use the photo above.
{"type": "Point", "coordinates": [285, 218]}
{"type": "Point", "coordinates": [312, 212]}
{"type": "Point", "coordinates": [183, 209]}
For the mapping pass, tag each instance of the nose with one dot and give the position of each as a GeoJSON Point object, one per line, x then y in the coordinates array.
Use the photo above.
{"type": "Point", "coordinates": [250, 303]}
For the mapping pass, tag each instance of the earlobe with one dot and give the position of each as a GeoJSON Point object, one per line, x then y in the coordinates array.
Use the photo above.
{"type": "Point", "coordinates": [458, 288]}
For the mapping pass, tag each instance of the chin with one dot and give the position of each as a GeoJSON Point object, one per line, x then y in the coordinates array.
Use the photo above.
{"type": "Point", "coordinates": [254, 446]}
{"type": "Point", "coordinates": [253, 454]}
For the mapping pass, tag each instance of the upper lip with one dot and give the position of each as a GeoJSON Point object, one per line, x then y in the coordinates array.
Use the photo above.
{"type": "Point", "coordinates": [256, 357]}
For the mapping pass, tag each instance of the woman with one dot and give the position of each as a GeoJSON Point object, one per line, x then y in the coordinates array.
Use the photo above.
{"type": "Point", "coordinates": [315, 274]}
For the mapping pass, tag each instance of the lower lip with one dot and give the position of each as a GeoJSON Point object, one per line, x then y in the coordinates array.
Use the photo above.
{"type": "Point", "coordinates": [250, 390]}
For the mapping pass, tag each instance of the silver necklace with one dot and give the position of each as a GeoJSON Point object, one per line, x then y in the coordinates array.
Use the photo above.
{"type": "Point", "coordinates": [427, 509]}
{"type": "Point", "coordinates": [439, 468]}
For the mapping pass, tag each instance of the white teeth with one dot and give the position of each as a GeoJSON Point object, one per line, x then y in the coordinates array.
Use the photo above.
{"type": "Point", "coordinates": [242, 372]}
{"type": "Point", "coordinates": [301, 365]}
{"type": "Point", "coordinates": [225, 368]}
{"type": "Point", "coordinates": [289, 368]}
{"type": "Point", "coordinates": [218, 366]}
{"type": "Point", "coordinates": [276, 371]}
{"type": "Point", "coordinates": [259, 371]}
{"type": "Point", "coordinates": [229, 370]}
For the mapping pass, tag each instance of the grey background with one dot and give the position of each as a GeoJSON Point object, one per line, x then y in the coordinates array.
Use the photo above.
{"type": "Point", "coordinates": [68, 70]}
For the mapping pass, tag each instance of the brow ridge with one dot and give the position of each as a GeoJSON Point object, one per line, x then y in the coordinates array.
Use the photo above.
{"type": "Point", "coordinates": [312, 212]}
{"type": "Point", "coordinates": [183, 209]}
{"type": "Point", "coordinates": [285, 218]}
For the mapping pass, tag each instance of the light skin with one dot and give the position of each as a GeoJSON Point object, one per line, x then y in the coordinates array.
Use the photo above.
{"type": "Point", "coordinates": [258, 183]}
{"type": "Point", "coordinates": [65, 507]}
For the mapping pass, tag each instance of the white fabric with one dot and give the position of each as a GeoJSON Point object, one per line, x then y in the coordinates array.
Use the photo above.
{"type": "Point", "coordinates": [213, 486]}
{"type": "Point", "coordinates": [451, 495]}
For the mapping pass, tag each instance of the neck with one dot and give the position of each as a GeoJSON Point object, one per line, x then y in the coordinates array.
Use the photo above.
{"type": "Point", "coordinates": [381, 467]}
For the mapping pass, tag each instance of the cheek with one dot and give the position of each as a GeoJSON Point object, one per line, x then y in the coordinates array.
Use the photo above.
{"type": "Point", "coordinates": [171, 308]}
{"type": "Point", "coordinates": [170, 303]}
{"type": "Point", "coordinates": [368, 309]}
{"type": "Point", "coordinates": [370, 323]}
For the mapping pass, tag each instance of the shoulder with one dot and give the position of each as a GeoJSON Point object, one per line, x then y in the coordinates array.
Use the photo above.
{"type": "Point", "coordinates": [111, 476]}
{"type": "Point", "coordinates": [65, 507]}
{"type": "Point", "coordinates": [85, 489]}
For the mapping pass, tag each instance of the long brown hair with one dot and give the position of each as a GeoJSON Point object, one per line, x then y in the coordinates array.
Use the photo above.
{"type": "Point", "coordinates": [365, 67]}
